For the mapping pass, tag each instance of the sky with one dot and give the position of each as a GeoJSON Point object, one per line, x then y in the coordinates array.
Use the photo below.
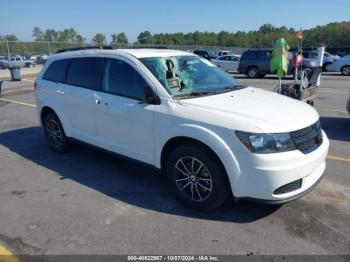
{"type": "Point", "coordinates": [88, 17]}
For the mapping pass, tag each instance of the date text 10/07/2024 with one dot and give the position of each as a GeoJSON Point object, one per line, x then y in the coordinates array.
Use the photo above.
{"type": "Point", "coordinates": [173, 258]}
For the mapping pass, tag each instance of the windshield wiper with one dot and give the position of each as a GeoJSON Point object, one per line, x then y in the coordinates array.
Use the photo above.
{"type": "Point", "coordinates": [228, 89]}
{"type": "Point", "coordinates": [211, 92]}
{"type": "Point", "coordinates": [191, 94]}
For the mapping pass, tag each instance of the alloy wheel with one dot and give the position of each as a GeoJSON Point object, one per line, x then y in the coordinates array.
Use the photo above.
{"type": "Point", "coordinates": [54, 133]}
{"type": "Point", "coordinates": [346, 70]}
{"type": "Point", "coordinates": [193, 178]}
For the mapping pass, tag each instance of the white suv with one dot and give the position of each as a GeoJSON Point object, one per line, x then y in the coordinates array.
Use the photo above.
{"type": "Point", "coordinates": [210, 135]}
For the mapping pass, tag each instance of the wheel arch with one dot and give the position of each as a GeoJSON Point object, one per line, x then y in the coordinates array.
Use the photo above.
{"type": "Point", "coordinates": [46, 109]}
{"type": "Point", "coordinates": [177, 141]}
{"type": "Point", "coordinates": [208, 139]}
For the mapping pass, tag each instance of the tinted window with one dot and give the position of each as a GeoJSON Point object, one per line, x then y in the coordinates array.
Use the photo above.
{"type": "Point", "coordinates": [249, 55]}
{"type": "Point", "coordinates": [313, 55]}
{"type": "Point", "coordinates": [233, 58]}
{"type": "Point", "coordinates": [264, 55]}
{"type": "Point", "coordinates": [85, 72]}
{"type": "Point", "coordinates": [225, 58]}
{"type": "Point", "coordinates": [306, 55]}
{"type": "Point", "coordinates": [122, 79]}
{"type": "Point", "coordinates": [57, 70]}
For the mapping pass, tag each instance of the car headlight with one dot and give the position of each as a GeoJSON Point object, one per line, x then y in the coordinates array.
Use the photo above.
{"type": "Point", "coordinates": [266, 143]}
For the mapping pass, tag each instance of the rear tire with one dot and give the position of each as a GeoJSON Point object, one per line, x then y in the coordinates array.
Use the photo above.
{"type": "Point", "coordinates": [55, 134]}
{"type": "Point", "coordinates": [197, 177]}
{"type": "Point", "coordinates": [252, 72]}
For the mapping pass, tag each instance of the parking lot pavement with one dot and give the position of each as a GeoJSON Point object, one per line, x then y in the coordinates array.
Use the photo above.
{"type": "Point", "coordinates": [92, 202]}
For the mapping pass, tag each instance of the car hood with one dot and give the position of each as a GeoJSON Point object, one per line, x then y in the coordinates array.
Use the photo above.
{"type": "Point", "coordinates": [264, 110]}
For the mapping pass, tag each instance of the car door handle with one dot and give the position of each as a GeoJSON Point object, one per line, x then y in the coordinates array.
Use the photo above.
{"type": "Point", "coordinates": [60, 92]}
{"type": "Point", "coordinates": [97, 101]}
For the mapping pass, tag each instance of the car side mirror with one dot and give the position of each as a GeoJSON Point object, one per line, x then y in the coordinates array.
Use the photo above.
{"type": "Point", "coordinates": [150, 96]}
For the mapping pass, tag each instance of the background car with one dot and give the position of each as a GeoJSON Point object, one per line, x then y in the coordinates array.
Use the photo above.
{"type": "Point", "coordinates": [41, 59]}
{"type": "Point", "coordinates": [255, 63]}
{"type": "Point", "coordinates": [206, 54]}
{"type": "Point", "coordinates": [328, 59]}
{"type": "Point", "coordinates": [228, 63]}
{"type": "Point", "coordinates": [221, 53]}
{"type": "Point", "coordinates": [341, 65]}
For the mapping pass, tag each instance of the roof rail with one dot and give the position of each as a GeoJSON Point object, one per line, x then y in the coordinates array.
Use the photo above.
{"type": "Point", "coordinates": [108, 47]}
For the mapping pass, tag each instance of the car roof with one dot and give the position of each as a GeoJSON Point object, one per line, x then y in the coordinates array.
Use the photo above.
{"type": "Point", "coordinates": [138, 53]}
{"type": "Point", "coordinates": [258, 50]}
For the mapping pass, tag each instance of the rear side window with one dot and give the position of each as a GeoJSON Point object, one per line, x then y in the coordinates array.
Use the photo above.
{"type": "Point", "coordinates": [122, 79]}
{"type": "Point", "coordinates": [264, 55]}
{"type": "Point", "coordinates": [249, 55]}
{"type": "Point", "coordinates": [85, 72]}
{"type": "Point", "coordinates": [57, 70]}
{"type": "Point", "coordinates": [226, 58]}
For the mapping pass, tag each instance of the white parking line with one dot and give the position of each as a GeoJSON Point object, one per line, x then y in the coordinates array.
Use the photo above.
{"type": "Point", "coordinates": [330, 91]}
{"type": "Point", "coordinates": [29, 80]}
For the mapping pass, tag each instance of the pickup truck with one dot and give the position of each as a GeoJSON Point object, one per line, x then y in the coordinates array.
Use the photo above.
{"type": "Point", "coordinates": [16, 61]}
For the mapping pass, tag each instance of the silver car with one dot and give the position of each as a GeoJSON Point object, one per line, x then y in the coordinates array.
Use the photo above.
{"type": "Point", "coordinates": [342, 65]}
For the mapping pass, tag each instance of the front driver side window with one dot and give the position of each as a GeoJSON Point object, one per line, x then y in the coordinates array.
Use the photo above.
{"type": "Point", "coordinates": [122, 79]}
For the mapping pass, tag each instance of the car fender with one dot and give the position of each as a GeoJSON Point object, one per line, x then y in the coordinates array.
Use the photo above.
{"type": "Point", "coordinates": [207, 137]}
{"type": "Point", "coordinates": [51, 103]}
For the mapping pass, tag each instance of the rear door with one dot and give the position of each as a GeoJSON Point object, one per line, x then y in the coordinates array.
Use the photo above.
{"type": "Point", "coordinates": [79, 91]}
{"type": "Point", "coordinates": [264, 57]}
{"type": "Point", "coordinates": [234, 63]}
{"type": "Point", "coordinates": [124, 122]}
{"type": "Point", "coordinates": [222, 62]}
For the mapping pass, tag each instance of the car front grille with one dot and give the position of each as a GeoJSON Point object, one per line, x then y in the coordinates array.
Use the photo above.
{"type": "Point", "coordinates": [309, 138]}
{"type": "Point", "coordinates": [292, 186]}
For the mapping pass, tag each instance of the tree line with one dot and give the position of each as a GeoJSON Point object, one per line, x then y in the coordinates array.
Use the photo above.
{"type": "Point", "coordinates": [332, 35]}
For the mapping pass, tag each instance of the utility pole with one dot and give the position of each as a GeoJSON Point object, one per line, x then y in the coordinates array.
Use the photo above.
{"type": "Point", "coordinates": [48, 47]}
{"type": "Point", "coordinates": [8, 50]}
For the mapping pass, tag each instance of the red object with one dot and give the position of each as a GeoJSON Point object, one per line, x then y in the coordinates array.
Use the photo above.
{"type": "Point", "coordinates": [299, 34]}
{"type": "Point", "coordinates": [297, 60]}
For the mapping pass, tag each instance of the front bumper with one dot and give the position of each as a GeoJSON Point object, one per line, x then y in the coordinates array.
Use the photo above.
{"type": "Point", "coordinates": [261, 174]}
{"type": "Point", "coordinates": [286, 200]}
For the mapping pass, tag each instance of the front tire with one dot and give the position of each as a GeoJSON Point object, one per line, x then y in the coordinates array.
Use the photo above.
{"type": "Point", "coordinates": [345, 70]}
{"type": "Point", "coordinates": [327, 67]}
{"type": "Point", "coordinates": [197, 177]}
{"type": "Point", "coordinates": [55, 134]}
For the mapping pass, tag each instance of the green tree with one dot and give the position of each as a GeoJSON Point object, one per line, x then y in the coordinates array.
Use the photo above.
{"type": "Point", "coordinates": [51, 35]}
{"type": "Point", "coordinates": [99, 39]}
{"type": "Point", "coordinates": [144, 37]}
{"type": "Point", "coordinates": [79, 38]}
{"type": "Point", "coordinates": [114, 39]}
{"type": "Point", "coordinates": [122, 39]}
{"type": "Point", "coordinates": [10, 37]}
{"type": "Point", "coordinates": [38, 34]}
{"type": "Point", "coordinates": [68, 35]}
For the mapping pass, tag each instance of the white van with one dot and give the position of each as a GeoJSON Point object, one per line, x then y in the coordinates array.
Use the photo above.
{"type": "Point", "coordinates": [213, 137]}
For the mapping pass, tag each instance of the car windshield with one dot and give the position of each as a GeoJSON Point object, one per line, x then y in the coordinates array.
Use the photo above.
{"type": "Point", "coordinates": [212, 54]}
{"type": "Point", "coordinates": [188, 76]}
